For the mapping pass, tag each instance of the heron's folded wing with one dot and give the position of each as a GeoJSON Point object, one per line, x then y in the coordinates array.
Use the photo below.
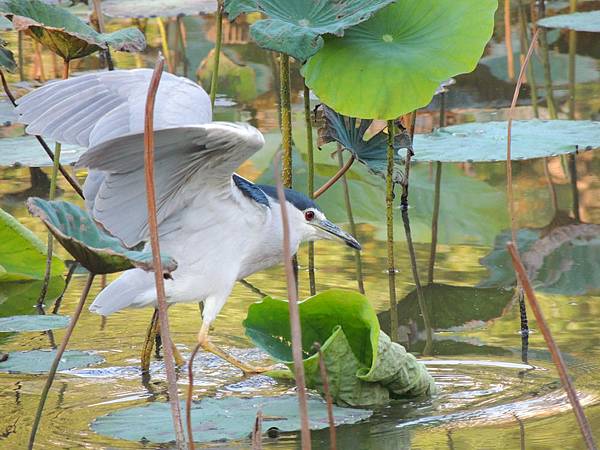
{"type": "Point", "coordinates": [189, 161]}
{"type": "Point", "coordinates": [90, 109]}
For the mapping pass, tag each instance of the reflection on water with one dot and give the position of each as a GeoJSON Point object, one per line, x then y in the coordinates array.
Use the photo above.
{"type": "Point", "coordinates": [466, 326]}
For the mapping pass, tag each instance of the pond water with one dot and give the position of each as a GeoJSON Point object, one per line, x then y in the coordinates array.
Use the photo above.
{"type": "Point", "coordinates": [492, 393]}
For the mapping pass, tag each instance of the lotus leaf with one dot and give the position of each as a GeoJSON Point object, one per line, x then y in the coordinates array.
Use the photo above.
{"type": "Point", "coordinates": [92, 247]}
{"type": "Point", "coordinates": [15, 324]}
{"type": "Point", "coordinates": [220, 419]}
{"type": "Point", "coordinates": [487, 141]}
{"type": "Point", "coordinates": [296, 27]}
{"type": "Point", "coordinates": [7, 59]}
{"type": "Point", "coordinates": [394, 62]}
{"type": "Point", "coordinates": [26, 151]}
{"type": "Point", "coordinates": [39, 361]}
{"type": "Point", "coordinates": [64, 33]}
{"type": "Point", "coordinates": [157, 8]}
{"type": "Point", "coordinates": [350, 134]}
{"type": "Point", "coordinates": [364, 367]}
{"type": "Point", "coordinates": [22, 254]}
{"type": "Point", "coordinates": [581, 21]}
{"type": "Point", "coordinates": [20, 297]}
{"type": "Point", "coordinates": [235, 80]}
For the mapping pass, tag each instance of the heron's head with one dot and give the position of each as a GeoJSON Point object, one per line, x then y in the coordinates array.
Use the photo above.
{"type": "Point", "coordinates": [309, 220]}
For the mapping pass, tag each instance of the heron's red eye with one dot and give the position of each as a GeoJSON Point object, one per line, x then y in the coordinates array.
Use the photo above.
{"type": "Point", "coordinates": [309, 215]}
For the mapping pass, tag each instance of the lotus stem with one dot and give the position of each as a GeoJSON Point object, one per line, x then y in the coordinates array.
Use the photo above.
{"type": "Point", "coordinates": [257, 431]}
{"type": "Point", "coordinates": [551, 187]}
{"type": "Point", "coordinates": [188, 400]}
{"type": "Point", "coordinates": [102, 29]}
{"type": "Point", "coordinates": [551, 103]}
{"type": "Point", "coordinates": [72, 181]}
{"type": "Point", "coordinates": [21, 56]}
{"type": "Point", "coordinates": [412, 118]}
{"type": "Point", "coordinates": [340, 173]}
{"type": "Point", "coordinates": [389, 202]}
{"type": "Point", "coordinates": [149, 343]}
{"type": "Point", "coordinates": [347, 200]}
{"type": "Point", "coordinates": [572, 159]}
{"type": "Point", "coordinates": [57, 358]}
{"type": "Point", "coordinates": [524, 325]}
{"type": "Point", "coordinates": [183, 44]}
{"type": "Point", "coordinates": [572, 57]}
{"type": "Point", "coordinates": [164, 39]}
{"type": "Point", "coordinates": [508, 40]}
{"type": "Point", "coordinates": [434, 222]}
{"type": "Point", "coordinates": [39, 72]}
{"type": "Point", "coordinates": [157, 264]}
{"type": "Point", "coordinates": [420, 297]}
{"type": "Point", "coordinates": [218, 42]}
{"type": "Point", "coordinates": [328, 399]}
{"type": "Point", "coordinates": [286, 119]}
{"type": "Point", "coordinates": [253, 288]}
{"type": "Point", "coordinates": [58, 302]}
{"type": "Point", "coordinates": [530, 69]}
{"type": "Point", "coordinates": [294, 311]}
{"type": "Point", "coordinates": [311, 185]}
{"type": "Point", "coordinates": [582, 421]}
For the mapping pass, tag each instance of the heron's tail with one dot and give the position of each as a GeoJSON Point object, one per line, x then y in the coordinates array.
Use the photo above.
{"type": "Point", "coordinates": [132, 289]}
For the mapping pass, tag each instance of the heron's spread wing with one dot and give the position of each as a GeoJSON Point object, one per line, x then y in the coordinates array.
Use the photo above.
{"type": "Point", "coordinates": [189, 161]}
{"type": "Point", "coordinates": [94, 108]}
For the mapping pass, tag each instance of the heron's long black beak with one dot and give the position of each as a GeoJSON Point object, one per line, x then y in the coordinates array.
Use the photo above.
{"type": "Point", "coordinates": [337, 233]}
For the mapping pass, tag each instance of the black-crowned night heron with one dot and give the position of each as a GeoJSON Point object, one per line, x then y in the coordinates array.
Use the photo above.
{"type": "Point", "coordinates": [219, 226]}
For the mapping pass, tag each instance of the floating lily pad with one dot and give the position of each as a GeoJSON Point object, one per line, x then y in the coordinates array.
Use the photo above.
{"type": "Point", "coordinates": [64, 33]}
{"type": "Point", "coordinates": [39, 361]}
{"type": "Point", "coordinates": [394, 62]}
{"type": "Point", "coordinates": [16, 324]}
{"type": "Point", "coordinates": [92, 247]}
{"type": "Point", "coordinates": [350, 134]}
{"type": "Point", "coordinates": [22, 253]}
{"type": "Point", "coordinates": [157, 8]}
{"type": "Point", "coordinates": [296, 27]}
{"type": "Point", "coordinates": [581, 21]}
{"type": "Point", "coordinates": [220, 419]}
{"type": "Point", "coordinates": [364, 367]}
{"type": "Point", "coordinates": [487, 141]}
{"type": "Point", "coordinates": [26, 151]}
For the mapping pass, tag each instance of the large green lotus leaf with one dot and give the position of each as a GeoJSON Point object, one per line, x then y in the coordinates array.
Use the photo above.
{"type": "Point", "coordinates": [581, 21]}
{"type": "Point", "coordinates": [364, 367]}
{"type": "Point", "coordinates": [63, 32]}
{"type": "Point", "coordinates": [350, 134]}
{"type": "Point", "coordinates": [26, 151]}
{"type": "Point", "coordinates": [7, 59]}
{"type": "Point", "coordinates": [394, 62]}
{"type": "Point", "coordinates": [92, 247]}
{"type": "Point", "coordinates": [22, 253]}
{"type": "Point", "coordinates": [15, 324]}
{"type": "Point", "coordinates": [20, 297]}
{"type": "Point", "coordinates": [220, 419]}
{"type": "Point", "coordinates": [39, 361]}
{"type": "Point", "coordinates": [157, 8]}
{"type": "Point", "coordinates": [295, 27]}
{"type": "Point", "coordinates": [563, 260]}
{"type": "Point", "coordinates": [487, 141]}
{"type": "Point", "coordinates": [450, 307]}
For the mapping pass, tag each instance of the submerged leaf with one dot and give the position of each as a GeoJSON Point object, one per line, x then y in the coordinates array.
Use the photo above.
{"type": "Point", "coordinates": [393, 63]}
{"type": "Point", "coordinates": [15, 324]}
{"type": "Point", "coordinates": [91, 246]}
{"type": "Point", "coordinates": [220, 419]}
{"type": "Point", "coordinates": [157, 8]}
{"type": "Point", "coordinates": [63, 32]}
{"type": "Point", "coordinates": [364, 367]}
{"type": "Point", "coordinates": [22, 254]}
{"type": "Point", "coordinates": [487, 141]}
{"type": "Point", "coordinates": [350, 134]}
{"type": "Point", "coordinates": [235, 80]}
{"type": "Point", "coordinates": [579, 21]}
{"type": "Point", "coordinates": [295, 27]}
{"type": "Point", "coordinates": [40, 361]}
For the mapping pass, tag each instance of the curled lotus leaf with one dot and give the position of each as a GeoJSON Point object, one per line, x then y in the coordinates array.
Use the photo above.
{"type": "Point", "coordinates": [64, 33]}
{"type": "Point", "coordinates": [350, 134]}
{"type": "Point", "coordinates": [157, 8]}
{"type": "Point", "coordinates": [580, 21]}
{"type": "Point", "coordinates": [95, 249]}
{"type": "Point", "coordinates": [394, 62]}
{"type": "Point", "coordinates": [7, 59]}
{"type": "Point", "coordinates": [296, 27]}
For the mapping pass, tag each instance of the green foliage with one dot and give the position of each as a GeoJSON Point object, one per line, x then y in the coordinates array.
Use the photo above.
{"type": "Point", "coordinates": [39, 361]}
{"type": "Point", "coordinates": [64, 33]}
{"type": "Point", "coordinates": [22, 254]}
{"type": "Point", "coordinates": [220, 419]}
{"type": "Point", "coordinates": [296, 27]}
{"type": "Point", "coordinates": [91, 246]}
{"type": "Point", "coordinates": [581, 21]}
{"type": "Point", "coordinates": [394, 62]}
{"type": "Point", "coordinates": [14, 324]}
{"type": "Point", "coordinates": [364, 367]}
{"type": "Point", "coordinates": [236, 81]}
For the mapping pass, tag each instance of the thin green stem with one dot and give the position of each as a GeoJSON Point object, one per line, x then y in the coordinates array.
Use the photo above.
{"type": "Point", "coordinates": [551, 103]}
{"type": "Point", "coordinates": [286, 119]}
{"type": "Point", "coordinates": [389, 203]}
{"type": "Point", "coordinates": [217, 56]}
{"type": "Point", "coordinates": [530, 68]}
{"type": "Point", "coordinates": [21, 56]}
{"type": "Point", "coordinates": [572, 59]}
{"type": "Point", "coordinates": [434, 222]}
{"type": "Point", "coordinates": [57, 358]}
{"type": "Point", "coordinates": [164, 39]}
{"type": "Point", "coordinates": [311, 184]}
